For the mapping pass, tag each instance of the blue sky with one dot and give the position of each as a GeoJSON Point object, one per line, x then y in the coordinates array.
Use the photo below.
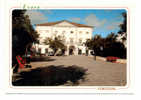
{"type": "Point", "coordinates": [104, 21]}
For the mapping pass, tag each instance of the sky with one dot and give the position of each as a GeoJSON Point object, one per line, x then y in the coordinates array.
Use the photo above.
{"type": "Point", "coordinates": [104, 21]}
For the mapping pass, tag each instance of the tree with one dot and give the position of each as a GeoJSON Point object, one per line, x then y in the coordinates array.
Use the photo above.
{"type": "Point", "coordinates": [23, 34]}
{"type": "Point", "coordinates": [55, 44]}
{"type": "Point", "coordinates": [89, 44]}
{"type": "Point", "coordinates": [113, 47]}
{"type": "Point", "coordinates": [107, 46]}
{"type": "Point", "coordinates": [123, 27]}
{"type": "Point", "coordinates": [95, 44]}
{"type": "Point", "coordinates": [22, 21]}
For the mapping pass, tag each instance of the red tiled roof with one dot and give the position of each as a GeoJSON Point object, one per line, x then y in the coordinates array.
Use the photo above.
{"type": "Point", "coordinates": [54, 23]}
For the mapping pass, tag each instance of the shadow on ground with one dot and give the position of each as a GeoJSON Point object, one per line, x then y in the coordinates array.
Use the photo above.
{"type": "Point", "coordinates": [41, 59]}
{"type": "Point", "coordinates": [50, 76]}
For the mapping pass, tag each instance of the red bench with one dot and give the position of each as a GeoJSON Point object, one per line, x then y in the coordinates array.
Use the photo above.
{"type": "Point", "coordinates": [21, 61]}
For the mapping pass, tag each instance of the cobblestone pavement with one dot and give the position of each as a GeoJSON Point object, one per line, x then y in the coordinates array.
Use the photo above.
{"type": "Point", "coordinates": [100, 73]}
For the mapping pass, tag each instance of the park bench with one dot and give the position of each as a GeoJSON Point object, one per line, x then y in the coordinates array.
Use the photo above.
{"type": "Point", "coordinates": [20, 61]}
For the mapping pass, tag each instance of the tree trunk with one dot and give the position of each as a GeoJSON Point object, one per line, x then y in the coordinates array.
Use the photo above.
{"type": "Point", "coordinates": [56, 52]}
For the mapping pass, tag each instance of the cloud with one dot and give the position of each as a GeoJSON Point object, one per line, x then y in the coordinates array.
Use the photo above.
{"type": "Point", "coordinates": [75, 19]}
{"type": "Point", "coordinates": [113, 25]}
{"type": "Point", "coordinates": [92, 20]}
{"type": "Point", "coordinates": [114, 22]}
{"type": "Point", "coordinates": [36, 17]}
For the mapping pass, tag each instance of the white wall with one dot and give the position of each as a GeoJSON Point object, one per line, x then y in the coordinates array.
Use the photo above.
{"type": "Point", "coordinates": [64, 29]}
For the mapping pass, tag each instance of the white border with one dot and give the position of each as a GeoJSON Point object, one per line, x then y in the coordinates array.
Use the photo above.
{"type": "Point", "coordinates": [66, 89]}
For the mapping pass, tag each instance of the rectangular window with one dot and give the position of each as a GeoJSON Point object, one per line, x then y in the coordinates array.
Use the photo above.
{"type": "Point", "coordinates": [80, 41]}
{"type": "Point", "coordinates": [87, 32]}
{"type": "Point", "coordinates": [71, 40]}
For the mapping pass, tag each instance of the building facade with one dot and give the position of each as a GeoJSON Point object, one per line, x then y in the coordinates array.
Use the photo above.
{"type": "Point", "coordinates": [74, 36]}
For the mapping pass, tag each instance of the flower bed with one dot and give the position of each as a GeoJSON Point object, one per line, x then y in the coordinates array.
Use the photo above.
{"type": "Point", "coordinates": [111, 59]}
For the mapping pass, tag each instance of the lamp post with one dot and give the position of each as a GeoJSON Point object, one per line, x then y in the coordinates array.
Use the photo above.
{"type": "Point", "coordinates": [101, 49]}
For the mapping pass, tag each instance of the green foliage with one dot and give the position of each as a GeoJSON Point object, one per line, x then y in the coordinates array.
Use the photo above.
{"type": "Point", "coordinates": [123, 27]}
{"type": "Point", "coordinates": [55, 43]}
{"type": "Point", "coordinates": [89, 43]}
{"type": "Point", "coordinates": [107, 46]}
{"type": "Point", "coordinates": [22, 21]}
{"type": "Point", "coordinates": [23, 34]}
{"type": "Point", "coordinates": [96, 42]}
{"type": "Point", "coordinates": [110, 46]}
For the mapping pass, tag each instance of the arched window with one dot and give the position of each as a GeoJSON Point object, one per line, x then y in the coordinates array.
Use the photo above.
{"type": "Point", "coordinates": [71, 40]}
{"type": "Point", "coordinates": [80, 40]}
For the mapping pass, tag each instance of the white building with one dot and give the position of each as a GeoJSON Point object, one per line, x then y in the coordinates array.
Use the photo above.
{"type": "Point", "coordinates": [73, 34]}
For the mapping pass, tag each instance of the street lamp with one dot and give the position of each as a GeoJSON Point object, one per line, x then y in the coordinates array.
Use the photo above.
{"type": "Point", "coordinates": [101, 49]}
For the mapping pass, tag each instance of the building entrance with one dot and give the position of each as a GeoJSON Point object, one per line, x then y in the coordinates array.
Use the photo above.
{"type": "Point", "coordinates": [79, 52]}
{"type": "Point", "coordinates": [71, 50]}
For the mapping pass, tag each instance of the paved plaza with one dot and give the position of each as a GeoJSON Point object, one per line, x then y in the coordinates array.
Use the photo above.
{"type": "Point", "coordinates": [99, 73]}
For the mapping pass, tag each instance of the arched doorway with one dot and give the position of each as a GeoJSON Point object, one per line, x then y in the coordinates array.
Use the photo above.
{"type": "Point", "coordinates": [63, 51]}
{"type": "Point", "coordinates": [79, 51]}
{"type": "Point", "coordinates": [71, 50]}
